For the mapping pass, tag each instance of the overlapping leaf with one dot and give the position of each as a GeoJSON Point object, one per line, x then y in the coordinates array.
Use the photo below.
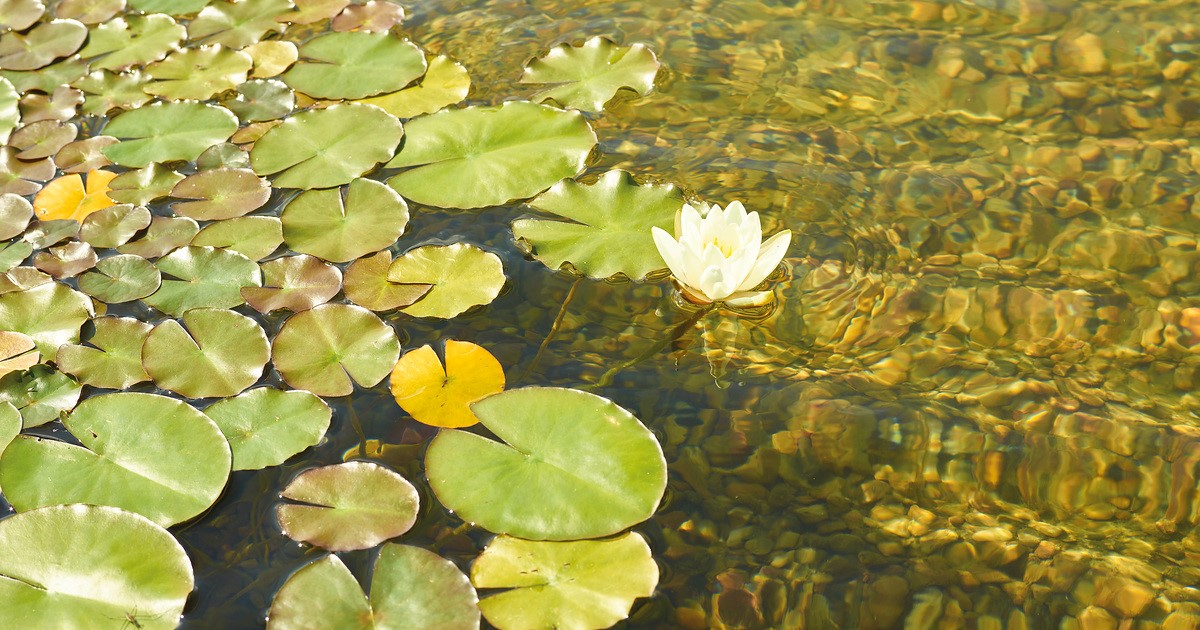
{"type": "Point", "coordinates": [266, 426]}
{"type": "Point", "coordinates": [329, 348]}
{"type": "Point", "coordinates": [220, 353]}
{"type": "Point", "coordinates": [326, 147]}
{"type": "Point", "coordinates": [355, 65]}
{"type": "Point", "coordinates": [462, 276]}
{"type": "Point", "coordinates": [369, 218]}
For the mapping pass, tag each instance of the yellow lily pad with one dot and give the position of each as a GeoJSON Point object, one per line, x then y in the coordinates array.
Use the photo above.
{"type": "Point", "coordinates": [442, 397]}
{"type": "Point", "coordinates": [67, 198]}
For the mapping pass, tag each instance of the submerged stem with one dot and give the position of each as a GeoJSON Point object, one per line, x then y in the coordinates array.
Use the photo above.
{"type": "Point", "coordinates": [562, 314]}
{"type": "Point", "coordinates": [676, 334]}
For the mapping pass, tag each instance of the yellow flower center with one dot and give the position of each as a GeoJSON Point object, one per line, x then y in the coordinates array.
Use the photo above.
{"type": "Point", "coordinates": [725, 248]}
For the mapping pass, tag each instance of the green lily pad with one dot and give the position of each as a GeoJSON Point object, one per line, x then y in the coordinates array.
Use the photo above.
{"type": "Point", "coordinates": [588, 76]}
{"type": "Point", "coordinates": [66, 261]}
{"type": "Point", "coordinates": [271, 57]}
{"type": "Point", "coordinates": [163, 132]}
{"type": "Point", "coordinates": [253, 237]}
{"type": "Point", "coordinates": [113, 566]}
{"type": "Point", "coordinates": [355, 65]}
{"type": "Point", "coordinates": [47, 79]}
{"type": "Point", "coordinates": [22, 279]}
{"type": "Point", "coordinates": [60, 105]}
{"type": "Point", "coordinates": [41, 45]}
{"type": "Point", "coordinates": [51, 313]}
{"type": "Point", "coordinates": [122, 278]}
{"type": "Point", "coordinates": [132, 41]}
{"type": "Point", "coordinates": [411, 588]}
{"type": "Point", "coordinates": [222, 193]}
{"type": "Point", "coordinates": [266, 426]}
{"type": "Point", "coordinates": [21, 178]}
{"type": "Point", "coordinates": [10, 113]}
{"type": "Point", "coordinates": [105, 91]}
{"type": "Point", "coordinates": [41, 393]}
{"type": "Point", "coordinates": [113, 357]}
{"type": "Point", "coordinates": [311, 11]}
{"type": "Point", "coordinates": [328, 348]}
{"type": "Point", "coordinates": [15, 213]}
{"type": "Point", "coordinates": [462, 276]}
{"type": "Point", "coordinates": [261, 99]}
{"type": "Point", "coordinates": [367, 285]}
{"type": "Point", "coordinates": [578, 584]}
{"type": "Point", "coordinates": [197, 73]}
{"type": "Point", "coordinates": [10, 424]}
{"type": "Point", "coordinates": [43, 234]}
{"type": "Point", "coordinates": [85, 155]}
{"type": "Point", "coordinates": [170, 7]}
{"type": "Point", "coordinates": [369, 218]}
{"type": "Point", "coordinates": [445, 83]}
{"type": "Point", "coordinates": [604, 228]}
{"type": "Point", "coordinates": [220, 353]}
{"type": "Point", "coordinates": [487, 156]}
{"type": "Point", "coordinates": [223, 155]}
{"type": "Point", "coordinates": [144, 453]}
{"type": "Point", "coordinates": [373, 16]}
{"type": "Point", "coordinates": [326, 147]}
{"type": "Point", "coordinates": [17, 352]}
{"type": "Point", "coordinates": [42, 139]}
{"type": "Point", "coordinates": [355, 505]}
{"type": "Point", "coordinates": [165, 234]}
{"type": "Point", "coordinates": [113, 226]}
{"type": "Point", "coordinates": [140, 187]}
{"type": "Point", "coordinates": [14, 254]}
{"type": "Point", "coordinates": [18, 15]}
{"type": "Point", "coordinates": [572, 465]}
{"type": "Point", "coordinates": [89, 11]}
{"type": "Point", "coordinates": [295, 283]}
{"type": "Point", "coordinates": [237, 24]}
{"type": "Point", "coordinates": [195, 277]}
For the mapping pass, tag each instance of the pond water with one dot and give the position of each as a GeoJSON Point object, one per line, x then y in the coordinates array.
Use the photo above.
{"type": "Point", "coordinates": [971, 406]}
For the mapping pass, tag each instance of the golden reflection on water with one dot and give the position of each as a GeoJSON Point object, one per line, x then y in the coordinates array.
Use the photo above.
{"type": "Point", "coordinates": [974, 405]}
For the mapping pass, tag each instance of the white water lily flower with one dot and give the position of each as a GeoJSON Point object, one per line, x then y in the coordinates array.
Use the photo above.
{"type": "Point", "coordinates": [720, 255]}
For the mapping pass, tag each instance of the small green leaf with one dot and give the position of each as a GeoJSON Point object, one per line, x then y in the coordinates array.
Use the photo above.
{"type": "Point", "coordinates": [367, 285]}
{"type": "Point", "coordinates": [131, 41]}
{"type": "Point", "coordinates": [355, 65]}
{"type": "Point", "coordinates": [330, 347]}
{"type": "Point", "coordinates": [197, 73]}
{"type": "Point", "coordinates": [41, 45]}
{"type": "Point", "coordinates": [328, 147]}
{"type": "Point", "coordinates": [195, 277]}
{"type": "Point", "coordinates": [262, 99]}
{"type": "Point", "coordinates": [51, 313]}
{"type": "Point", "coordinates": [122, 278]}
{"type": "Point", "coordinates": [113, 357]}
{"type": "Point", "coordinates": [220, 353]}
{"type": "Point", "coordinates": [295, 283]}
{"type": "Point", "coordinates": [107, 90]}
{"type": "Point", "coordinates": [113, 226]}
{"type": "Point", "coordinates": [15, 213]}
{"type": "Point", "coordinates": [222, 193]}
{"type": "Point", "coordinates": [355, 505]}
{"type": "Point", "coordinates": [10, 113]}
{"type": "Point", "coordinates": [588, 76]}
{"type": "Point", "coordinates": [140, 187]}
{"type": "Point", "coordinates": [253, 237]}
{"type": "Point", "coordinates": [164, 132]}
{"type": "Point", "coordinates": [462, 276]}
{"type": "Point", "coordinates": [266, 426]}
{"type": "Point", "coordinates": [444, 84]}
{"type": "Point", "coordinates": [237, 24]}
{"type": "Point", "coordinates": [369, 218]}
{"type": "Point", "coordinates": [165, 234]}
{"type": "Point", "coordinates": [41, 393]}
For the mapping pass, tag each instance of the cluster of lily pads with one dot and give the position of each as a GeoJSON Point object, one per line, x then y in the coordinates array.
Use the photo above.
{"type": "Point", "coordinates": [175, 170]}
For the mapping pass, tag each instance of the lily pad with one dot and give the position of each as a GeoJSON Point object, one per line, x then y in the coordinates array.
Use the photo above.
{"type": "Point", "coordinates": [41, 393]}
{"type": "Point", "coordinates": [144, 453]}
{"type": "Point", "coordinates": [48, 78]}
{"type": "Point", "coordinates": [165, 234]}
{"type": "Point", "coordinates": [10, 113]}
{"type": "Point", "coordinates": [41, 45]}
{"type": "Point", "coordinates": [84, 155]}
{"type": "Point", "coordinates": [88, 11]}
{"type": "Point", "coordinates": [66, 261]}
{"type": "Point", "coordinates": [366, 284]}
{"type": "Point", "coordinates": [46, 233]}
{"type": "Point", "coordinates": [487, 156]}
{"type": "Point", "coordinates": [122, 278]}
{"type": "Point", "coordinates": [18, 15]}
{"type": "Point", "coordinates": [15, 213]}
{"type": "Point", "coordinates": [105, 91]}
{"type": "Point", "coordinates": [17, 352]}
{"type": "Point", "coordinates": [295, 283]}
{"type": "Point", "coordinates": [579, 584]}
{"type": "Point", "coordinates": [261, 100]}
{"type": "Point", "coordinates": [14, 254]}
{"type": "Point", "coordinates": [220, 353]}
{"type": "Point", "coordinates": [163, 132]}
{"type": "Point", "coordinates": [133, 40]}
{"type": "Point", "coordinates": [445, 83]}
{"type": "Point", "coordinates": [355, 65]}
{"type": "Point", "coordinates": [310, 11]}
{"type": "Point", "coordinates": [20, 178]}
{"type": "Point", "coordinates": [572, 465]}
{"type": "Point", "coordinates": [411, 589]}
{"type": "Point", "coordinates": [114, 566]}
{"type": "Point", "coordinates": [22, 278]}
{"type": "Point", "coordinates": [141, 186]}
{"type": "Point", "coordinates": [223, 155]}
{"type": "Point", "coordinates": [604, 229]}
{"type": "Point", "coordinates": [442, 397]}
{"type": "Point", "coordinates": [271, 57]}
{"type": "Point", "coordinates": [113, 226]}
{"type": "Point", "coordinates": [197, 73]}
{"type": "Point", "coordinates": [195, 277]}
{"type": "Point", "coordinates": [237, 24]}
{"type": "Point", "coordinates": [253, 237]}
{"type": "Point", "coordinates": [67, 198]}
{"type": "Point", "coordinates": [369, 218]}
{"type": "Point", "coordinates": [373, 16]}
{"type": "Point", "coordinates": [462, 276]}
{"type": "Point", "coordinates": [59, 105]}
{"type": "Point", "coordinates": [51, 313]}
{"type": "Point", "coordinates": [588, 76]}
{"type": "Point", "coordinates": [42, 139]}
{"type": "Point", "coordinates": [329, 348]}
{"type": "Point", "coordinates": [326, 147]}
{"type": "Point", "coordinates": [10, 424]}
{"type": "Point", "coordinates": [266, 426]}
{"type": "Point", "coordinates": [113, 357]}
{"type": "Point", "coordinates": [171, 7]}
{"type": "Point", "coordinates": [355, 505]}
{"type": "Point", "coordinates": [222, 193]}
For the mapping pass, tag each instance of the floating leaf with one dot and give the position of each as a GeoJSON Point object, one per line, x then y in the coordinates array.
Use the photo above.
{"type": "Point", "coordinates": [446, 82]}
{"type": "Point", "coordinates": [22, 279]}
{"type": "Point", "coordinates": [66, 261]}
{"type": "Point", "coordinates": [42, 139]}
{"type": "Point", "coordinates": [51, 313]}
{"type": "Point", "coordinates": [145, 453]}
{"type": "Point", "coordinates": [253, 237]}
{"type": "Point", "coordinates": [165, 234]}
{"type": "Point", "coordinates": [14, 254]}
{"type": "Point", "coordinates": [144, 185]}
{"type": "Point", "coordinates": [411, 588]}
{"type": "Point", "coordinates": [462, 276]}
{"type": "Point", "coordinates": [172, 7]}
{"type": "Point", "coordinates": [163, 132]}
{"type": "Point", "coordinates": [17, 177]}
{"type": "Point", "coordinates": [355, 65]}
{"type": "Point", "coordinates": [59, 105]}
{"type": "Point", "coordinates": [221, 353]}
{"type": "Point", "coordinates": [442, 397]}
{"type": "Point", "coordinates": [132, 41]}
{"type": "Point", "coordinates": [572, 465]}
{"type": "Point", "coordinates": [10, 424]}
{"type": "Point", "coordinates": [366, 284]}
{"type": "Point", "coordinates": [310, 11]}
{"type": "Point", "coordinates": [17, 352]}
{"type": "Point", "coordinates": [123, 278]}
{"type": "Point", "coordinates": [223, 155]}
{"type": "Point", "coordinates": [41, 393]}
{"type": "Point", "coordinates": [15, 213]}
{"type": "Point", "coordinates": [10, 113]}
{"type": "Point", "coordinates": [87, 566]}
{"type": "Point", "coordinates": [261, 100]}
{"type": "Point", "coordinates": [588, 76]}
{"type": "Point", "coordinates": [47, 79]}
{"type": "Point", "coordinates": [85, 155]}
{"type": "Point", "coordinates": [374, 16]}
{"type": "Point", "coordinates": [332, 346]}
{"type": "Point", "coordinates": [88, 11]}
{"type": "Point", "coordinates": [196, 277]}
{"type": "Point", "coordinates": [355, 505]}
{"type": "Point", "coordinates": [295, 283]}
{"type": "Point", "coordinates": [45, 233]}
{"type": "Point", "coordinates": [266, 426]}
{"type": "Point", "coordinates": [271, 57]}
{"type": "Point", "coordinates": [197, 73]}
{"type": "Point", "coordinates": [113, 226]}
{"type": "Point", "coordinates": [66, 197]}
{"type": "Point", "coordinates": [579, 584]}
{"type": "Point", "coordinates": [326, 147]}
{"type": "Point", "coordinates": [604, 228]}
{"type": "Point", "coordinates": [224, 193]}
{"type": "Point", "coordinates": [113, 356]}
{"type": "Point", "coordinates": [487, 156]}
{"type": "Point", "coordinates": [371, 217]}
{"type": "Point", "coordinates": [106, 91]}
{"type": "Point", "coordinates": [18, 15]}
{"type": "Point", "coordinates": [237, 24]}
{"type": "Point", "coordinates": [41, 45]}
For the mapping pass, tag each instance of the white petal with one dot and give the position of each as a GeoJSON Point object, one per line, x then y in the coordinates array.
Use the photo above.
{"type": "Point", "coordinates": [769, 255]}
{"type": "Point", "coordinates": [709, 283]}
{"type": "Point", "coordinates": [735, 212]}
{"type": "Point", "coordinates": [715, 281]}
{"type": "Point", "coordinates": [689, 222]}
{"type": "Point", "coordinates": [747, 299]}
{"type": "Point", "coordinates": [669, 249]}
{"type": "Point", "coordinates": [750, 229]}
{"type": "Point", "coordinates": [741, 262]}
